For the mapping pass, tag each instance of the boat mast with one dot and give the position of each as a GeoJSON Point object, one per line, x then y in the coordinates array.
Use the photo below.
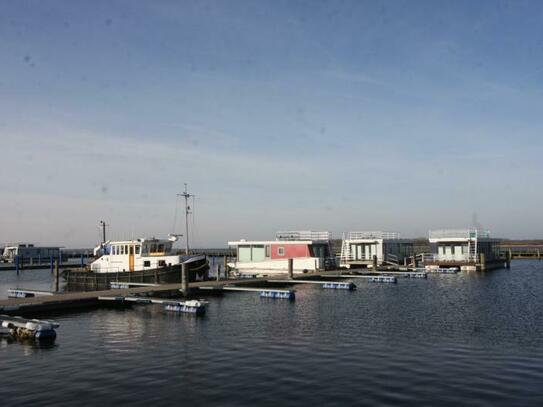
{"type": "Point", "coordinates": [186, 195]}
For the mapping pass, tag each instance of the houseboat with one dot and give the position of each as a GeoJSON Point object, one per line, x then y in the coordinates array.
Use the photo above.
{"type": "Point", "coordinates": [141, 260]}
{"type": "Point", "coordinates": [466, 249]}
{"type": "Point", "coordinates": [28, 253]}
{"type": "Point", "coordinates": [358, 249]}
{"type": "Point", "coordinates": [310, 251]}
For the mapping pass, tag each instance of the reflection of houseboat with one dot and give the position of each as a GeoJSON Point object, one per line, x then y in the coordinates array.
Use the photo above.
{"type": "Point", "coordinates": [28, 253]}
{"type": "Point", "coordinates": [310, 251]}
{"type": "Point", "coordinates": [142, 260]}
{"type": "Point", "coordinates": [468, 249]}
{"type": "Point", "coordinates": [360, 248]}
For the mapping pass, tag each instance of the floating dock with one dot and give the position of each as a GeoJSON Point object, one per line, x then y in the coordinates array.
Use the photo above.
{"type": "Point", "coordinates": [190, 306]}
{"type": "Point", "coordinates": [22, 293]}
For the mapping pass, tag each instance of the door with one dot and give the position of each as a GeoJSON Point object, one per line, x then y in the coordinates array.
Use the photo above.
{"type": "Point", "coordinates": [131, 258]}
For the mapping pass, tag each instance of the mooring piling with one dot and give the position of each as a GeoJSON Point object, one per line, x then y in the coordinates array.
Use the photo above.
{"type": "Point", "coordinates": [290, 268]}
{"type": "Point", "coordinates": [184, 280]}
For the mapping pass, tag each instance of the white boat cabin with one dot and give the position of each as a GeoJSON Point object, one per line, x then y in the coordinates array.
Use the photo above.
{"type": "Point", "coordinates": [360, 248]}
{"type": "Point", "coordinates": [26, 252]}
{"type": "Point", "coordinates": [463, 245]}
{"type": "Point", "coordinates": [134, 255]}
{"type": "Point", "coordinates": [310, 251]}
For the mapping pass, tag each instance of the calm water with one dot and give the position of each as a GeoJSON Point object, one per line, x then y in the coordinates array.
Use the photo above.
{"type": "Point", "coordinates": [468, 339]}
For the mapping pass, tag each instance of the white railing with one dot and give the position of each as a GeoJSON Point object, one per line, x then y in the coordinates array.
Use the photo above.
{"type": "Point", "coordinates": [459, 234]}
{"type": "Point", "coordinates": [302, 235]}
{"type": "Point", "coordinates": [377, 234]}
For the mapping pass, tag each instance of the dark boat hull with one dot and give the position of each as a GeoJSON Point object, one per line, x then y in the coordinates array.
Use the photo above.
{"type": "Point", "coordinates": [77, 279]}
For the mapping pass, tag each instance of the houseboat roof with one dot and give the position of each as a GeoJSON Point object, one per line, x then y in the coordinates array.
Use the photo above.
{"type": "Point", "coordinates": [289, 237]}
{"type": "Point", "coordinates": [457, 235]}
{"type": "Point", "coordinates": [243, 242]}
{"type": "Point", "coordinates": [374, 234]}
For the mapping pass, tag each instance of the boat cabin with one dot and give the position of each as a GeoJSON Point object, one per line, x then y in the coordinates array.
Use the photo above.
{"type": "Point", "coordinates": [134, 255]}
{"type": "Point", "coordinates": [470, 249]}
{"type": "Point", "coordinates": [310, 251]}
{"type": "Point", "coordinates": [358, 249]}
{"type": "Point", "coordinates": [27, 252]}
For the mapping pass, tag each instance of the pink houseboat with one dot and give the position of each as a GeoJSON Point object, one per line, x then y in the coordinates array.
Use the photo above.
{"type": "Point", "coordinates": [310, 251]}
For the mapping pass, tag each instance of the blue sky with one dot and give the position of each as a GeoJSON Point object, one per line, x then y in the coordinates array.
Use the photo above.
{"type": "Point", "coordinates": [323, 115]}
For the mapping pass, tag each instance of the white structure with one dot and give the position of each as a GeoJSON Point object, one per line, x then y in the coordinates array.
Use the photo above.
{"type": "Point", "coordinates": [359, 248]}
{"type": "Point", "coordinates": [26, 251]}
{"type": "Point", "coordinates": [137, 255]}
{"type": "Point", "coordinates": [463, 247]}
{"type": "Point", "coordinates": [309, 250]}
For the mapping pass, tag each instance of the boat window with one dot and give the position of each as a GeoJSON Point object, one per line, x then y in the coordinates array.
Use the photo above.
{"type": "Point", "coordinates": [153, 248]}
{"type": "Point", "coordinates": [280, 251]}
{"type": "Point", "coordinates": [131, 250]}
{"type": "Point", "coordinates": [126, 249]}
{"type": "Point", "coordinates": [146, 263]}
{"type": "Point", "coordinates": [138, 249]}
{"type": "Point", "coordinates": [161, 263]}
{"type": "Point", "coordinates": [161, 248]}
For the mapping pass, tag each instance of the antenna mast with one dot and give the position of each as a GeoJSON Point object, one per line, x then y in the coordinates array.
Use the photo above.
{"type": "Point", "coordinates": [103, 225]}
{"type": "Point", "coordinates": [186, 195]}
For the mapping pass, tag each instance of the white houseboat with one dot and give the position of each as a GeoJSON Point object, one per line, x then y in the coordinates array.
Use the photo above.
{"type": "Point", "coordinates": [358, 249]}
{"type": "Point", "coordinates": [27, 252]}
{"type": "Point", "coordinates": [310, 251]}
{"type": "Point", "coordinates": [467, 249]}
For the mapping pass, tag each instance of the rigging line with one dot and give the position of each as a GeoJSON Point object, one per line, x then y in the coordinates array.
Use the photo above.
{"type": "Point", "coordinates": [193, 215]}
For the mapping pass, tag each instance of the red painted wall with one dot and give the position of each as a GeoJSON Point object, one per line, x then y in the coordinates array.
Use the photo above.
{"type": "Point", "coordinates": [291, 251]}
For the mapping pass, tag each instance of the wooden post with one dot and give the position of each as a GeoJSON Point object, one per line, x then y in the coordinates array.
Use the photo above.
{"type": "Point", "coordinates": [32, 260]}
{"type": "Point", "coordinates": [508, 259]}
{"type": "Point", "coordinates": [51, 264]}
{"type": "Point", "coordinates": [374, 262]}
{"type": "Point", "coordinates": [57, 283]}
{"type": "Point", "coordinates": [538, 255]}
{"type": "Point", "coordinates": [82, 261]}
{"type": "Point", "coordinates": [290, 268]}
{"type": "Point", "coordinates": [17, 264]}
{"type": "Point", "coordinates": [226, 267]}
{"type": "Point", "coordinates": [218, 272]}
{"type": "Point", "coordinates": [482, 260]}
{"type": "Point", "coordinates": [184, 280]}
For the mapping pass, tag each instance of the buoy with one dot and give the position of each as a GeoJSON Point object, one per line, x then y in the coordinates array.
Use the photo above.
{"type": "Point", "coordinates": [340, 286]}
{"type": "Point", "coordinates": [287, 295]}
{"type": "Point", "coordinates": [383, 279]}
{"type": "Point", "coordinates": [191, 306]}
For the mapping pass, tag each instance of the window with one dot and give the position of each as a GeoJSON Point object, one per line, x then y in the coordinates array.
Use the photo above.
{"type": "Point", "coordinates": [122, 249]}
{"type": "Point", "coordinates": [280, 251]}
{"type": "Point", "coordinates": [161, 263]}
{"type": "Point", "coordinates": [160, 248]}
{"type": "Point", "coordinates": [126, 249]}
{"type": "Point", "coordinates": [132, 250]}
{"type": "Point", "coordinates": [138, 249]}
{"type": "Point", "coordinates": [452, 249]}
{"type": "Point", "coordinates": [146, 263]}
{"type": "Point", "coordinates": [268, 251]}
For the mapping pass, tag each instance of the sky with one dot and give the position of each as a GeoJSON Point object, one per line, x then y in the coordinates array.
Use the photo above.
{"type": "Point", "coordinates": [280, 115]}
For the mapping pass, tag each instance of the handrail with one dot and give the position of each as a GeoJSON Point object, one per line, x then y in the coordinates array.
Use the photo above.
{"type": "Point", "coordinates": [302, 235]}
{"type": "Point", "coordinates": [376, 234]}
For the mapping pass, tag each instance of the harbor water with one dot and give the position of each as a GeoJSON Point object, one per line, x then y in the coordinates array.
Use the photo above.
{"type": "Point", "coordinates": [470, 339]}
